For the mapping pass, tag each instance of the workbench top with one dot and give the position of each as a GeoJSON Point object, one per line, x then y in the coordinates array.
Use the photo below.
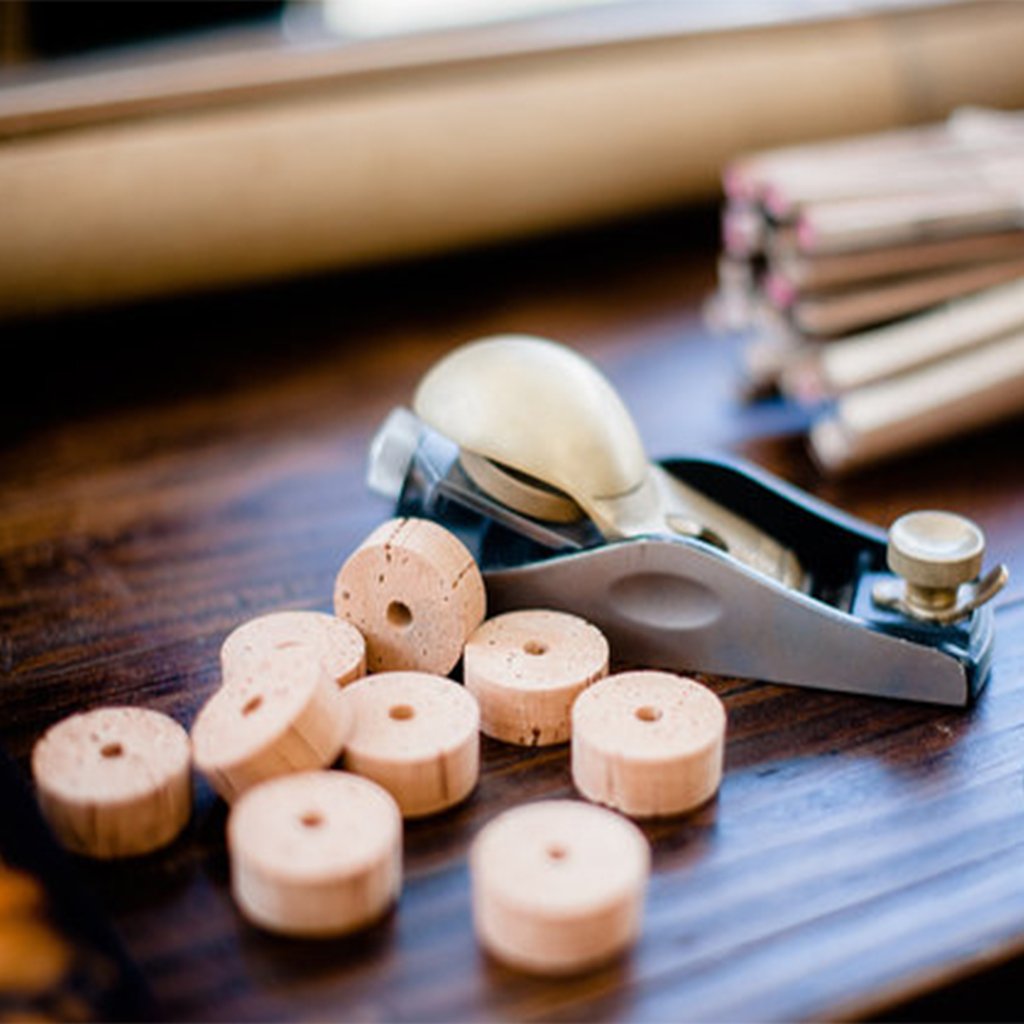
{"type": "Point", "coordinates": [172, 470]}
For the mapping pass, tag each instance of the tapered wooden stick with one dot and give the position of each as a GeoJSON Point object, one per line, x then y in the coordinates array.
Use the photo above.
{"type": "Point", "coordinates": [840, 366]}
{"type": "Point", "coordinates": [914, 409]}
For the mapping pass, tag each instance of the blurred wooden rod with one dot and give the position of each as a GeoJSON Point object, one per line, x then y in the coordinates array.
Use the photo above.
{"type": "Point", "coordinates": [957, 169]}
{"type": "Point", "coordinates": [833, 167]}
{"type": "Point", "coordinates": [845, 312]}
{"type": "Point", "coordinates": [890, 220]}
{"type": "Point", "coordinates": [824, 371]}
{"type": "Point", "coordinates": [952, 397]}
{"type": "Point", "coordinates": [752, 176]}
{"type": "Point", "coordinates": [806, 272]}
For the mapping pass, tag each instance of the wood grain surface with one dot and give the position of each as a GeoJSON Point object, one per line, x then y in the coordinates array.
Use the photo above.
{"type": "Point", "coordinates": [169, 471]}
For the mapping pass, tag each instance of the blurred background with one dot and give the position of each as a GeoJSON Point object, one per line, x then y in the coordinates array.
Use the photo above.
{"type": "Point", "coordinates": [148, 149]}
{"type": "Point", "coordinates": [151, 152]}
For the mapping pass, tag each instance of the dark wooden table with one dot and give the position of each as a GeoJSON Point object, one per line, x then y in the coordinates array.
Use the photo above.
{"type": "Point", "coordinates": [169, 471]}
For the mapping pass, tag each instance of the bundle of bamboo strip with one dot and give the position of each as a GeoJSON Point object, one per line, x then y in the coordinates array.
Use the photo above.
{"type": "Point", "coordinates": [882, 280]}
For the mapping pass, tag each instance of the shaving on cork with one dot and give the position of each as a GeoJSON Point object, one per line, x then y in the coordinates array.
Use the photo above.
{"type": "Point", "coordinates": [558, 886]}
{"type": "Point", "coordinates": [647, 743]}
{"type": "Point", "coordinates": [526, 668]}
{"type": "Point", "coordinates": [279, 709]}
{"type": "Point", "coordinates": [418, 736]}
{"type": "Point", "coordinates": [414, 591]}
{"type": "Point", "coordinates": [114, 782]}
{"type": "Point", "coordinates": [315, 853]}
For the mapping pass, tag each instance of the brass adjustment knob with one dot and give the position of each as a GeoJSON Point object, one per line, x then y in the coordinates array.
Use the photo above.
{"type": "Point", "coordinates": [935, 554]}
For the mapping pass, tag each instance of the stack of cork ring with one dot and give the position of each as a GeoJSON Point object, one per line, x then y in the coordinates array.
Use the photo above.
{"type": "Point", "coordinates": [558, 886]}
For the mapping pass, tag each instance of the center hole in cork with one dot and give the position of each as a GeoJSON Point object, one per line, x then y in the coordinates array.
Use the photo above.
{"type": "Point", "coordinates": [556, 852]}
{"type": "Point", "coordinates": [401, 712]}
{"type": "Point", "coordinates": [535, 647]}
{"type": "Point", "coordinates": [111, 750]}
{"type": "Point", "coordinates": [399, 615]}
{"type": "Point", "coordinates": [647, 713]}
{"type": "Point", "coordinates": [252, 704]}
{"type": "Point", "coordinates": [312, 819]}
